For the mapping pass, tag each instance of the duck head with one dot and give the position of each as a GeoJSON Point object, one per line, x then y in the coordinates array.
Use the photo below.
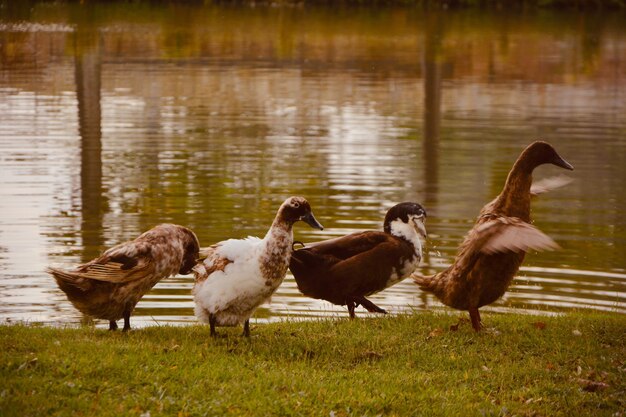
{"type": "Point", "coordinates": [192, 249]}
{"type": "Point", "coordinates": [297, 208]}
{"type": "Point", "coordinates": [405, 214]}
{"type": "Point", "coordinates": [539, 153]}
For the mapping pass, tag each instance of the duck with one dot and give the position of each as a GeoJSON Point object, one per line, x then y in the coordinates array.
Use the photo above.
{"type": "Point", "coordinates": [110, 286]}
{"type": "Point", "coordinates": [493, 250]}
{"type": "Point", "coordinates": [235, 276]}
{"type": "Point", "coordinates": [347, 269]}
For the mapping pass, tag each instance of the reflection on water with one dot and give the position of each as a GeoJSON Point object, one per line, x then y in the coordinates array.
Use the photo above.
{"type": "Point", "coordinates": [118, 117]}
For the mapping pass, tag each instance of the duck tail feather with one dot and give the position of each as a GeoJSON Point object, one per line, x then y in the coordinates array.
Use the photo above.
{"type": "Point", "coordinates": [425, 282]}
{"type": "Point", "coordinates": [67, 279]}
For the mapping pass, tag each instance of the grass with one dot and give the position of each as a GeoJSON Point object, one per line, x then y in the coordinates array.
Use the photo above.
{"type": "Point", "coordinates": [403, 365]}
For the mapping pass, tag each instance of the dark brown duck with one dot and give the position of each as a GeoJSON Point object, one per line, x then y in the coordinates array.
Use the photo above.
{"type": "Point", "coordinates": [346, 269]}
{"type": "Point", "coordinates": [494, 249]}
{"type": "Point", "coordinates": [110, 286]}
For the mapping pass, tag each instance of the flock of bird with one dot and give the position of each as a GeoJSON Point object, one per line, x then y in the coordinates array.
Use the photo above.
{"type": "Point", "coordinates": [235, 276]}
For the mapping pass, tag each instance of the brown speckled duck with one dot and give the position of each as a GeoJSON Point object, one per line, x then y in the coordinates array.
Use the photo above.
{"type": "Point", "coordinates": [110, 286]}
{"type": "Point", "coordinates": [346, 269]}
{"type": "Point", "coordinates": [236, 276]}
{"type": "Point", "coordinates": [494, 249]}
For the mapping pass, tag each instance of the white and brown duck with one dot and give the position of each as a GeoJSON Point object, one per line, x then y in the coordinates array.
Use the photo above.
{"type": "Point", "coordinates": [110, 286]}
{"type": "Point", "coordinates": [346, 269]}
{"type": "Point", "coordinates": [238, 275]}
{"type": "Point", "coordinates": [494, 249]}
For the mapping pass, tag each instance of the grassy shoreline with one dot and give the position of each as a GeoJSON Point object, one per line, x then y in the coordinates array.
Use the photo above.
{"type": "Point", "coordinates": [404, 365]}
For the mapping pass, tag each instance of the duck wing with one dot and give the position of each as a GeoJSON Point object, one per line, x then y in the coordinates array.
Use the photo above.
{"type": "Point", "coordinates": [125, 262]}
{"type": "Point", "coordinates": [510, 234]}
{"type": "Point", "coordinates": [371, 270]}
{"type": "Point", "coordinates": [110, 271]}
{"type": "Point", "coordinates": [346, 247]}
{"type": "Point", "coordinates": [549, 184]}
{"type": "Point", "coordinates": [357, 264]}
{"type": "Point", "coordinates": [498, 235]}
{"type": "Point", "coordinates": [206, 252]}
{"type": "Point", "coordinates": [216, 257]}
{"type": "Point", "coordinates": [116, 273]}
{"type": "Point", "coordinates": [209, 262]}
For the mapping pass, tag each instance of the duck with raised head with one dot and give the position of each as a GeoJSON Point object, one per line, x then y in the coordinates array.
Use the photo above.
{"type": "Point", "coordinates": [346, 269]}
{"type": "Point", "coordinates": [110, 286]}
{"type": "Point", "coordinates": [238, 275]}
{"type": "Point", "coordinates": [494, 248]}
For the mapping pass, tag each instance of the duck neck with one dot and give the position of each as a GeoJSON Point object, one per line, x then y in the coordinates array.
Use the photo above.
{"type": "Point", "coordinates": [276, 252]}
{"type": "Point", "coordinates": [406, 232]}
{"type": "Point", "coordinates": [514, 200]}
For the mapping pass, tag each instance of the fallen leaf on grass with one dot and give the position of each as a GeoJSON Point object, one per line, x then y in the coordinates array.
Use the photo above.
{"type": "Point", "coordinates": [533, 400]}
{"type": "Point", "coordinates": [455, 327]}
{"type": "Point", "coordinates": [29, 363]}
{"type": "Point", "coordinates": [171, 348]}
{"type": "Point", "coordinates": [539, 325]}
{"type": "Point", "coordinates": [591, 386]}
{"type": "Point", "coordinates": [593, 375]}
{"type": "Point", "coordinates": [492, 331]}
{"type": "Point", "coordinates": [372, 355]}
{"type": "Point", "coordinates": [434, 333]}
{"type": "Point", "coordinates": [577, 333]}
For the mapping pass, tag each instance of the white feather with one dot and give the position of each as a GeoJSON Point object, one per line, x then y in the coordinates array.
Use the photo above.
{"type": "Point", "coordinates": [410, 233]}
{"type": "Point", "coordinates": [407, 231]}
{"type": "Point", "coordinates": [232, 295]}
{"type": "Point", "coordinates": [234, 249]}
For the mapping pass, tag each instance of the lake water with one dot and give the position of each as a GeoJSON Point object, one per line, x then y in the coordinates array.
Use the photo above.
{"type": "Point", "coordinates": [117, 117]}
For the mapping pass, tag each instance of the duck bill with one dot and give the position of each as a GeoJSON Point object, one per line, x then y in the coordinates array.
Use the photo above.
{"type": "Point", "coordinates": [311, 221]}
{"type": "Point", "coordinates": [560, 162]}
{"type": "Point", "coordinates": [420, 226]}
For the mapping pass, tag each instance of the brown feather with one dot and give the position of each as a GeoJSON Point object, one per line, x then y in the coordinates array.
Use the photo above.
{"type": "Point", "coordinates": [494, 249]}
{"type": "Point", "coordinates": [345, 269]}
{"type": "Point", "coordinates": [548, 184]}
{"type": "Point", "coordinates": [113, 272]}
{"type": "Point", "coordinates": [110, 286]}
{"type": "Point", "coordinates": [505, 234]}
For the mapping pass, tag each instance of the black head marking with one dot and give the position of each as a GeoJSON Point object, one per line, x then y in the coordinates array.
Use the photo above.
{"type": "Point", "coordinates": [402, 211]}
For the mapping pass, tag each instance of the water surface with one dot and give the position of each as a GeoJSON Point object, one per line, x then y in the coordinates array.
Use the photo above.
{"type": "Point", "coordinates": [117, 117]}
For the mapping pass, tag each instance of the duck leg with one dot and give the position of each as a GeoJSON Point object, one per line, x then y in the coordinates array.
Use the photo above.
{"type": "Point", "coordinates": [212, 322]}
{"type": "Point", "coordinates": [368, 305]}
{"type": "Point", "coordinates": [112, 325]}
{"type": "Point", "coordinates": [126, 316]}
{"type": "Point", "coordinates": [351, 307]}
{"type": "Point", "coordinates": [475, 317]}
{"type": "Point", "coordinates": [246, 328]}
